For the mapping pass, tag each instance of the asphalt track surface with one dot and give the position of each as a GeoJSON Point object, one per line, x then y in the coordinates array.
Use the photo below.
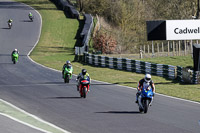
{"type": "Point", "coordinates": [108, 108]}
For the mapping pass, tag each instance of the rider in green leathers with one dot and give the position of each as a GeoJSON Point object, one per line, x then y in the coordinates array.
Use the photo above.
{"type": "Point", "coordinates": [66, 65]}
{"type": "Point", "coordinates": [30, 14]}
{"type": "Point", "coordinates": [15, 51]}
{"type": "Point", "coordinates": [10, 21]}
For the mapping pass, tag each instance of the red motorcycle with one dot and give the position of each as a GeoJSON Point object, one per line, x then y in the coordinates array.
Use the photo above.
{"type": "Point", "coordinates": [84, 87]}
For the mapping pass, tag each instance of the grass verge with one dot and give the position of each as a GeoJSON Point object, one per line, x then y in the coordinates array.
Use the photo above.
{"type": "Point", "coordinates": [57, 43]}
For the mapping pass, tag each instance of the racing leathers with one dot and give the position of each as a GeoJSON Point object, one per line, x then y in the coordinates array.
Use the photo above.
{"type": "Point", "coordinates": [143, 84]}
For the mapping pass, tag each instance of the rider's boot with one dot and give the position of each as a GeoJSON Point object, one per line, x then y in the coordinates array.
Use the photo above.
{"type": "Point", "coordinates": [77, 87]}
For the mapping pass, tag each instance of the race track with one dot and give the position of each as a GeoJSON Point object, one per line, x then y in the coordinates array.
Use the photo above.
{"type": "Point", "coordinates": [108, 108]}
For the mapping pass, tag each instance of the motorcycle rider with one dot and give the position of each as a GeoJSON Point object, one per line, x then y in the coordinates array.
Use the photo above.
{"type": "Point", "coordinates": [10, 21]}
{"type": "Point", "coordinates": [146, 81]}
{"type": "Point", "coordinates": [30, 14]}
{"type": "Point", "coordinates": [82, 75]}
{"type": "Point", "coordinates": [66, 65]}
{"type": "Point", "coordinates": [14, 51]}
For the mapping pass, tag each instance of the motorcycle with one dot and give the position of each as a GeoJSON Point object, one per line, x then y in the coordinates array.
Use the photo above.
{"type": "Point", "coordinates": [15, 57]}
{"type": "Point", "coordinates": [9, 25]}
{"type": "Point", "coordinates": [31, 18]}
{"type": "Point", "coordinates": [84, 86]}
{"type": "Point", "coordinates": [145, 99]}
{"type": "Point", "coordinates": [67, 74]}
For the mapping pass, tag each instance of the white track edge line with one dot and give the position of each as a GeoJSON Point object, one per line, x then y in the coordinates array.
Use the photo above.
{"type": "Point", "coordinates": [24, 123]}
{"type": "Point", "coordinates": [35, 117]}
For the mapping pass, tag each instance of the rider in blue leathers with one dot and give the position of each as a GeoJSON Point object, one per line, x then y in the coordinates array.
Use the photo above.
{"type": "Point", "coordinates": [146, 81]}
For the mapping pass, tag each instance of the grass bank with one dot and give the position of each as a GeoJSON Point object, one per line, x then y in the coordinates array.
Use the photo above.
{"type": "Point", "coordinates": [57, 42]}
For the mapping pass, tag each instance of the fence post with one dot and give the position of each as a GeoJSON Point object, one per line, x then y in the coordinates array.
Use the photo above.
{"type": "Point", "coordinates": [168, 48]}
{"type": "Point", "coordinates": [163, 48]}
{"type": "Point", "coordinates": [158, 49]}
{"type": "Point", "coordinates": [185, 48]}
{"type": "Point", "coordinates": [176, 49]}
{"type": "Point", "coordinates": [152, 49]}
{"type": "Point", "coordinates": [141, 53]}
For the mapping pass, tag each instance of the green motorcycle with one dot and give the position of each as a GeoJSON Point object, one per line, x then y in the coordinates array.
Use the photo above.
{"type": "Point", "coordinates": [15, 57]}
{"type": "Point", "coordinates": [67, 74]}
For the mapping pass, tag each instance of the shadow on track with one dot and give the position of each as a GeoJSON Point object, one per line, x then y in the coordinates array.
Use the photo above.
{"type": "Point", "coordinates": [121, 112]}
{"type": "Point", "coordinates": [5, 28]}
{"type": "Point", "coordinates": [63, 97]}
{"type": "Point", "coordinates": [26, 21]}
{"type": "Point", "coordinates": [117, 83]}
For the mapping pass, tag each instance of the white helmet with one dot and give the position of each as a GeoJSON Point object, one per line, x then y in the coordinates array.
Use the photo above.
{"type": "Point", "coordinates": [15, 50]}
{"type": "Point", "coordinates": [68, 62]}
{"type": "Point", "coordinates": [147, 78]}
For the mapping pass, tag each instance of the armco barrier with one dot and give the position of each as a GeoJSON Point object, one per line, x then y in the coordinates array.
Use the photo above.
{"type": "Point", "coordinates": [70, 11]}
{"type": "Point", "coordinates": [166, 71]}
{"type": "Point", "coordinates": [67, 8]}
{"type": "Point", "coordinates": [85, 34]}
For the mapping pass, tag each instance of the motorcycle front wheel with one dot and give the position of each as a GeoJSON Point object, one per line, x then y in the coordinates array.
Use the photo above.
{"type": "Point", "coordinates": [146, 105]}
{"type": "Point", "coordinates": [84, 92]}
{"type": "Point", "coordinates": [66, 78]}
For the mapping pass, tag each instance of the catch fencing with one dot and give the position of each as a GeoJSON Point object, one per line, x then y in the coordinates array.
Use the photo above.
{"type": "Point", "coordinates": [166, 71]}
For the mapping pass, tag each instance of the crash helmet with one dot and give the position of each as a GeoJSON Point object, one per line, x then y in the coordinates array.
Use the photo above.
{"type": "Point", "coordinates": [84, 71]}
{"type": "Point", "coordinates": [147, 78]}
{"type": "Point", "coordinates": [68, 62]}
{"type": "Point", "coordinates": [15, 50]}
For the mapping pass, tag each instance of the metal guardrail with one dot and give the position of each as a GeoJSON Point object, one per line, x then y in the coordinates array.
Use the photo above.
{"type": "Point", "coordinates": [85, 34]}
{"type": "Point", "coordinates": [166, 71]}
{"type": "Point", "coordinates": [69, 9]}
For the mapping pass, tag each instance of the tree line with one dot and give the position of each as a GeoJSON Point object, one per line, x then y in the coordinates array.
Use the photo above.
{"type": "Point", "coordinates": [128, 17]}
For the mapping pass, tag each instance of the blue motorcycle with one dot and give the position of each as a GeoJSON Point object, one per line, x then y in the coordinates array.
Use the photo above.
{"type": "Point", "coordinates": [145, 99]}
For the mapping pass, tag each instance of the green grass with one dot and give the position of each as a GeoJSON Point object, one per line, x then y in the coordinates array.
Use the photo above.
{"type": "Point", "coordinates": [184, 61]}
{"type": "Point", "coordinates": [56, 46]}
